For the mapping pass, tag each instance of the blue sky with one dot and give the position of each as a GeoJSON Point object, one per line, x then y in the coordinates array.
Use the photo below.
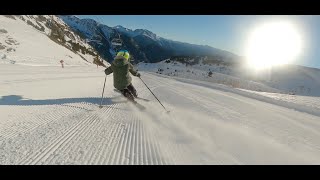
{"type": "Point", "coordinates": [227, 32]}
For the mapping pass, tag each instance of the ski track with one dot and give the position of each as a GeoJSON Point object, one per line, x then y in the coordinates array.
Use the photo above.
{"type": "Point", "coordinates": [120, 134]}
{"type": "Point", "coordinates": [288, 132]}
{"type": "Point", "coordinates": [64, 138]}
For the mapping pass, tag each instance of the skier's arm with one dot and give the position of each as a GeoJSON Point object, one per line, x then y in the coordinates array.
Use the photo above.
{"type": "Point", "coordinates": [108, 70]}
{"type": "Point", "coordinates": [132, 71]}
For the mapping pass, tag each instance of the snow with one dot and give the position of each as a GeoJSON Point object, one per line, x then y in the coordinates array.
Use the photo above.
{"type": "Point", "coordinates": [200, 72]}
{"type": "Point", "coordinates": [297, 79]}
{"type": "Point", "coordinates": [33, 48]}
{"type": "Point", "coordinates": [50, 115]}
{"type": "Point", "coordinates": [286, 79]}
{"type": "Point", "coordinates": [308, 101]}
{"type": "Point", "coordinates": [301, 103]}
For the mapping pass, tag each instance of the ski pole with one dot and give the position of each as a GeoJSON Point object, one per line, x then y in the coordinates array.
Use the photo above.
{"type": "Point", "coordinates": [153, 94]}
{"type": "Point", "coordinates": [103, 91]}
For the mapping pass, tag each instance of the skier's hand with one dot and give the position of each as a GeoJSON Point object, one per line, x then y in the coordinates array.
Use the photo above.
{"type": "Point", "coordinates": [138, 75]}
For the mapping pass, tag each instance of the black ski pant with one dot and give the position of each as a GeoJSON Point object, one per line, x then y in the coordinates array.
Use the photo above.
{"type": "Point", "coordinates": [130, 92]}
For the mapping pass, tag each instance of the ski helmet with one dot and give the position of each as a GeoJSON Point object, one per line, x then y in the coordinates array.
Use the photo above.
{"type": "Point", "coordinates": [124, 53]}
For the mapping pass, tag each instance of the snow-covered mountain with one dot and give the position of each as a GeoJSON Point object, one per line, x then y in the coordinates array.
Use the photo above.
{"type": "Point", "coordinates": [41, 40]}
{"type": "Point", "coordinates": [143, 44]}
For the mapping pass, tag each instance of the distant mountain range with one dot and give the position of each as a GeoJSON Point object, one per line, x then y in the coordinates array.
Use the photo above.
{"type": "Point", "coordinates": [143, 44]}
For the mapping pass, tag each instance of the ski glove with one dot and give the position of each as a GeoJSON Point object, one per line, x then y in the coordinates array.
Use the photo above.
{"type": "Point", "coordinates": [138, 74]}
{"type": "Point", "coordinates": [108, 70]}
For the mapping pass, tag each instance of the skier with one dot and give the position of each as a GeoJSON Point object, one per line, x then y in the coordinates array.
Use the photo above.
{"type": "Point", "coordinates": [62, 63]}
{"type": "Point", "coordinates": [97, 61]}
{"type": "Point", "coordinates": [120, 68]}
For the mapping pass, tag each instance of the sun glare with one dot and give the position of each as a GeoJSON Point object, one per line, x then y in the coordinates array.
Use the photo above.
{"type": "Point", "coordinates": [273, 44]}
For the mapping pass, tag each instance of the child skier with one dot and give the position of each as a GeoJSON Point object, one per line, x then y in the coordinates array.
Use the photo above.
{"type": "Point", "coordinates": [120, 68]}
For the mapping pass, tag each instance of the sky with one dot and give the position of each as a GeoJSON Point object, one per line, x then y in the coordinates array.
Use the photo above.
{"type": "Point", "coordinates": [227, 32]}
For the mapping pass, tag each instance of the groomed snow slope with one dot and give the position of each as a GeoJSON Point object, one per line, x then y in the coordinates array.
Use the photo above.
{"type": "Point", "coordinates": [50, 115]}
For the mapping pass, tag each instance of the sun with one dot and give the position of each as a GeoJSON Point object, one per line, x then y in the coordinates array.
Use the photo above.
{"type": "Point", "coordinates": [272, 44]}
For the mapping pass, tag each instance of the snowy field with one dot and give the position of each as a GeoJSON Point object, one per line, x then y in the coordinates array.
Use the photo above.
{"type": "Point", "coordinates": [50, 115]}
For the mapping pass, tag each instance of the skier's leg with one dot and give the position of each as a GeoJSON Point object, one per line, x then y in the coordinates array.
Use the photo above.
{"type": "Point", "coordinates": [126, 93]}
{"type": "Point", "coordinates": [132, 90]}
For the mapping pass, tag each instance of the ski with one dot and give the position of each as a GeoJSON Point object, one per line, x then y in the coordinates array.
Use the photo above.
{"type": "Point", "coordinates": [134, 102]}
{"type": "Point", "coordinates": [139, 106]}
{"type": "Point", "coordinates": [136, 98]}
{"type": "Point", "coordinates": [139, 98]}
